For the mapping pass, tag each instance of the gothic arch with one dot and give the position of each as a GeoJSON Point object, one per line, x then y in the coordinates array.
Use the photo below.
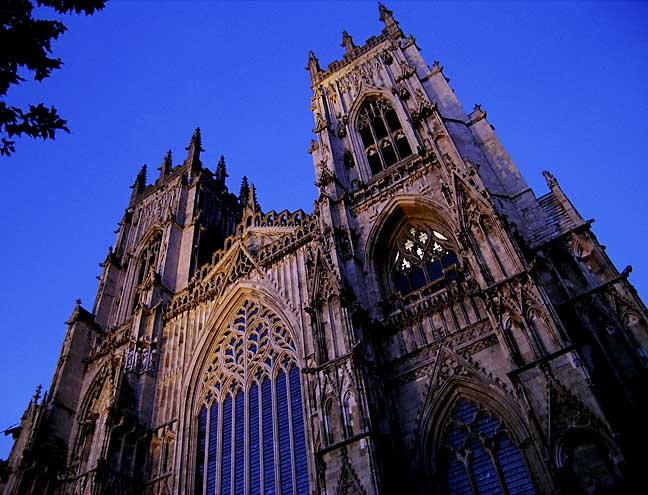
{"type": "Point", "coordinates": [400, 211]}
{"type": "Point", "coordinates": [437, 413]}
{"type": "Point", "coordinates": [218, 329]}
{"type": "Point", "coordinates": [354, 113]}
{"type": "Point", "coordinates": [96, 398]}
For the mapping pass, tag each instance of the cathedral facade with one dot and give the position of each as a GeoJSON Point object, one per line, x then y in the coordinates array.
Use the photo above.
{"type": "Point", "coordinates": [431, 327]}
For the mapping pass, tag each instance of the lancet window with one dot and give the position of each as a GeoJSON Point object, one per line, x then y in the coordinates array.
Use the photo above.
{"type": "Point", "coordinates": [421, 257]}
{"type": "Point", "coordinates": [382, 135]}
{"type": "Point", "coordinates": [251, 437]}
{"type": "Point", "coordinates": [479, 456]}
{"type": "Point", "coordinates": [148, 257]}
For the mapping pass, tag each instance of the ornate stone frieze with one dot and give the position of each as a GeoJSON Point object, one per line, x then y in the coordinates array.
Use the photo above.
{"type": "Point", "coordinates": [386, 184]}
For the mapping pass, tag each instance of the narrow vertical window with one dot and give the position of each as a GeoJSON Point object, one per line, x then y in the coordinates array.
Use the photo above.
{"type": "Point", "coordinates": [382, 136]}
{"type": "Point", "coordinates": [260, 440]}
{"type": "Point", "coordinates": [213, 448]}
{"type": "Point", "coordinates": [200, 460]}
{"type": "Point", "coordinates": [226, 466]}
{"type": "Point", "coordinates": [255, 446]}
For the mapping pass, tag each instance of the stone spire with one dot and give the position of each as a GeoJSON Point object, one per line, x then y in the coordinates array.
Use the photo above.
{"type": "Point", "coordinates": [165, 167]}
{"type": "Point", "coordinates": [347, 43]}
{"type": "Point", "coordinates": [313, 65]}
{"type": "Point", "coordinates": [194, 149]}
{"type": "Point", "coordinates": [221, 170]}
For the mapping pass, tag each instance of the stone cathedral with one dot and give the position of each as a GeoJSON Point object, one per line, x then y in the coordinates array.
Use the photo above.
{"type": "Point", "coordinates": [431, 327]}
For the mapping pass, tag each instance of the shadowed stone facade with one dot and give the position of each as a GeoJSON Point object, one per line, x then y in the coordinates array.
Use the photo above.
{"type": "Point", "coordinates": [431, 327]}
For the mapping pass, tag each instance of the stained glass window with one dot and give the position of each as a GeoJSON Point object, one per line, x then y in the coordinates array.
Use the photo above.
{"type": "Point", "coordinates": [251, 412]}
{"type": "Point", "coordinates": [479, 456]}
{"type": "Point", "coordinates": [421, 258]}
{"type": "Point", "coordinates": [382, 135]}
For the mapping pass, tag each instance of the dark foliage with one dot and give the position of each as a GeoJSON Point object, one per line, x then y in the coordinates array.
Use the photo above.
{"type": "Point", "coordinates": [26, 45]}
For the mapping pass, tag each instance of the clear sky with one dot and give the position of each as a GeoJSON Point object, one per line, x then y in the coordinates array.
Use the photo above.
{"type": "Point", "coordinates": [564, 84]}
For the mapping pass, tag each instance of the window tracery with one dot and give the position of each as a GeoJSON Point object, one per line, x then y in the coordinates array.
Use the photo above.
{"type": "Point", "coordinates": [382, 135]}
{"type": "Point", "coordinates": [147, 258]}
{"type": "Point", "coordinates": [419, 258]}
{"type": "Point", "coordinates": [479, 456]}
{"type": "Point", "coordinates": [250, 424]}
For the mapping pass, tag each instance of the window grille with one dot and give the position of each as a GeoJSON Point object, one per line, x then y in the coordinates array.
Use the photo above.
{"type": "Point", "coordinates": [382, 135]}
{"type": "Point", "coordinates": [480, 458]}
{"type": "Point", "coordinates": [251, 437]}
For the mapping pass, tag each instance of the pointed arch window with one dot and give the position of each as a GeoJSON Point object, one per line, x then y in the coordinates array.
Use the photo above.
{"type": "Point", "coordinates": [251, 437]}
{"type": "Point", "coordinates": [421, 256]}
{"type": "Point", "coordinates": [479, 457]}
{"type": "Point", "coordinates": [148, 258]}
{"type": "Point", "coordinates": [382, 135]}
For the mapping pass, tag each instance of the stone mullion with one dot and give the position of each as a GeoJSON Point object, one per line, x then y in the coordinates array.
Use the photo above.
{"type": "Point", "coordinates": [498, 470]}
{"type": "Point", "coordinates": [466, 464]}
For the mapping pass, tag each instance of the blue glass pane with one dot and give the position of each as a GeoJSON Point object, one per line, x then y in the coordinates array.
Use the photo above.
{"type": "Point", "coordinates": [458, 482]}
{"type": "Point", "coordinates": [200, 456]}
{"type": "Point", "coordinates": [417, 278]}
{"type": "Point", "coordinates": [268, 442]}
{"type": "Point", "coordinates": [449, 259]}
{"type": "Point", "coordinates": [486, 425]}
{"type": "Point", "coordinates": [213, 446]}
{"type": "Point", "coordinates": [483, 470]}
{"type": "Point", "coordinates": [434, 270]}
{"type": "Point", "coordinates": [457, 436]}
{"type": "Point", "coordinates": [226, 467]}
{"type": "Point", "coordinates": [299, 440]}
{"type": "Point", "coordinates": [255, 448]}
{"type": "Point", "coordinates": [285, 464]}
{"type": "Point", "coordinates": [464, 412]}
{"type": "Point", "coordinates": [513, 468]}
{"type": "Point", "coordinates": [239, 445]}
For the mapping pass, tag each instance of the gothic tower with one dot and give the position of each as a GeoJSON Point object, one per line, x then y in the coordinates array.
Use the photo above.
{"type": "Point", "coordinates": [431, 327]}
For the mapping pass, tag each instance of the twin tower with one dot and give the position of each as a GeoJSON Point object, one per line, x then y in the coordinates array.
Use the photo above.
{"type": "Point", "coordinates": [432, 327]}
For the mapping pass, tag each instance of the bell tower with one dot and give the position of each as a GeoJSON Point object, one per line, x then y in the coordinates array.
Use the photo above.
{"type": "Point", "coordinates": [100, 408]}
{"type": "Point", "coordinates": [449, 269]}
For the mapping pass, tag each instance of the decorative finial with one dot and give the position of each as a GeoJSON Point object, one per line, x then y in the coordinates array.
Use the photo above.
{"type": "Point", "coordinates": [552, 182]}
{"type": "Point", "coordinates": [140, 182]}
{"type": "Point", "coordinates": [194, 149]}
{"type": "Point", "coordinates": [347, 42]}
{"type": "Point", "coordinates": [313, 65]}
{"type": "Point", "coordinates": [37, 394]}
{"type": "Point", "coordinates": [221, 170]}
{"type": "Point", "coordinates": [251, 204]}
{"type": "Point", "coordinates": [386, 16]}
{"type": "Point", "coordinates": [244, 192]}
{"type": "Point", "coordinates": [166, 166]}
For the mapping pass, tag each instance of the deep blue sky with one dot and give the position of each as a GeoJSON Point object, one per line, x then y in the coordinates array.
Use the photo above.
{"type": "Point", "coordinates": [563, 83]}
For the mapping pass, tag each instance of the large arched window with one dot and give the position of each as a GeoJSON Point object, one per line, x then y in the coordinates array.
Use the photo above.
{"type": "Point", "coordinates": [382, 135]}
{"type": "Point", "coordinates": [251, 437]}
{"type": "Point", "coordinates": [421, 256]}
{"type": "Point", "coordinates": [479, 457]}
